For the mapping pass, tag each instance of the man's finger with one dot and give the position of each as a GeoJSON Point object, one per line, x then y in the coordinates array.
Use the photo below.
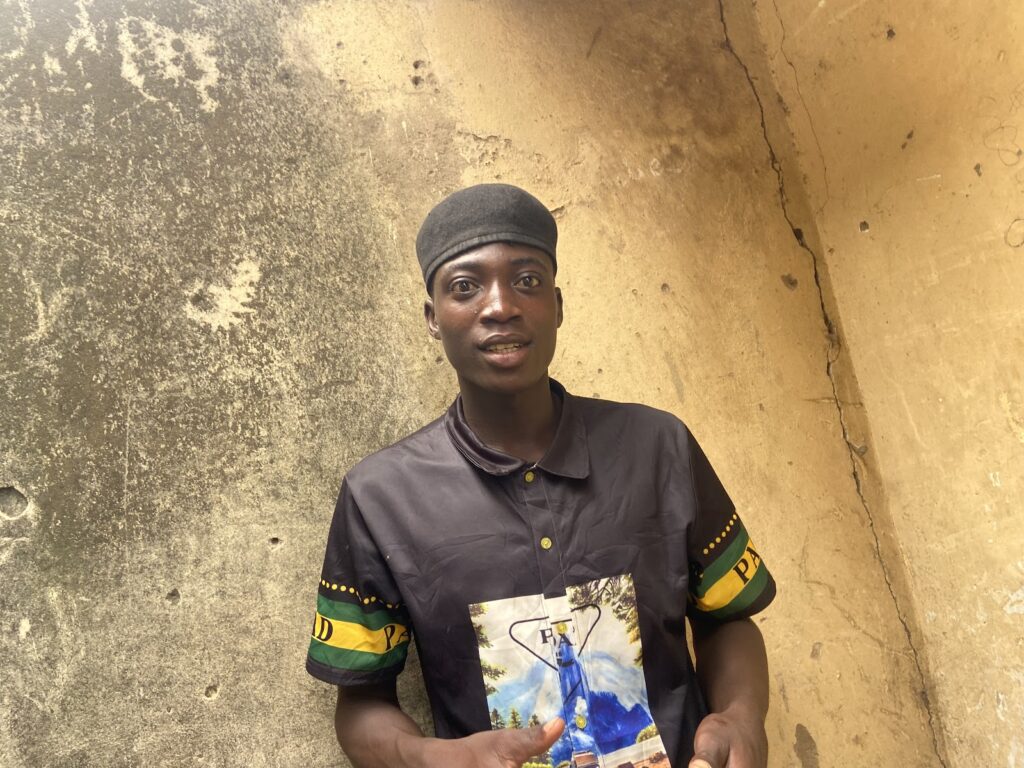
{"type": "Point", "coordinates": [524, 743]}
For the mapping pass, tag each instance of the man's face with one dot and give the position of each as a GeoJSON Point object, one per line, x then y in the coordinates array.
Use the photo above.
{"type": "Point", "coordinates": [497, 311]}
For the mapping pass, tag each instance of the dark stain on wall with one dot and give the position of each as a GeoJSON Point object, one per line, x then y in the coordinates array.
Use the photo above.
{"type": "Point", "coordinates": [805, 747]}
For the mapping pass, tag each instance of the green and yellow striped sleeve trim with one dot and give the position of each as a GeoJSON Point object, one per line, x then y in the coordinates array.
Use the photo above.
{"type": "Point", "coordinates": [734, 580]}
{"type": "Point", "coordinates": [347, 638]}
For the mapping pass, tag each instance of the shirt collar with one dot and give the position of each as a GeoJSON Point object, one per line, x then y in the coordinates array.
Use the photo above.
{"type": "Point", "coordinates": [567, 456]}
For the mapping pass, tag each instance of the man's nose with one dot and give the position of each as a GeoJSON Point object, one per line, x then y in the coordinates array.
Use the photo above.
{"type": "Point", "coordinates": [501, 303]}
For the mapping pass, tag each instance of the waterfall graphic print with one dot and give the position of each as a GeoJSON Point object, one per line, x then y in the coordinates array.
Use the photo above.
{"type": "Point", "coordinates": [577, 657]}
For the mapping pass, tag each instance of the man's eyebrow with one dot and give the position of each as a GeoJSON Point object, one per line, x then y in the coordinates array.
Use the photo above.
{"type": "Point", "coordinates": [523, 260]}
{"type": "Point", "coordinates": [465, 262]}
{"type": "Point", "coordinates": [473, 263]}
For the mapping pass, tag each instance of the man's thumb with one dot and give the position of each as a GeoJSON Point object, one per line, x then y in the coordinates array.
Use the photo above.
{"type": "Point", "coordinates": [549, 733]}
{"type": "Point", "coordinates": [711, 755]}
{"type": "Point", "coordinates": [533, 741]}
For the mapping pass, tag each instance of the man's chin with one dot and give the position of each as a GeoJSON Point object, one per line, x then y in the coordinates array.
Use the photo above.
{"type": "Point", "coordinates": [506, 383]}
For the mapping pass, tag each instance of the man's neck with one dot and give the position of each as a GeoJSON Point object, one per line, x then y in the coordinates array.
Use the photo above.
{"type": "Point", "coordinates": [522, 424]}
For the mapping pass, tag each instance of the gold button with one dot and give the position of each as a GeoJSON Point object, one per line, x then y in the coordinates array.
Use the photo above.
{"type": "Point", "coordinates": [545, 543]}
{"type": "Point", "coordinates": [529, 477]}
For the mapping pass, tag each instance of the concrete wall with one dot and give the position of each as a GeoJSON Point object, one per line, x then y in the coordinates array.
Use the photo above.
{"type": "Point", "coordinates": [908, 119]}
{"type": "Point", "coordinates": [211, 310]}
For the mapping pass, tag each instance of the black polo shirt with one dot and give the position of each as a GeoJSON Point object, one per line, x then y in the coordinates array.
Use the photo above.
{"type": "Point", "coordinates": [559, 588]}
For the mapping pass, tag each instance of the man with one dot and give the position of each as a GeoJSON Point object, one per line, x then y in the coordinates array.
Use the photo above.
{"type": "Point", "coordinates": [546, 549]}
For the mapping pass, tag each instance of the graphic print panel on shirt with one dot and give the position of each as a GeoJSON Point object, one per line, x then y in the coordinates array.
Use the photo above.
{"type": "Point", "coordinates": [578, 657]}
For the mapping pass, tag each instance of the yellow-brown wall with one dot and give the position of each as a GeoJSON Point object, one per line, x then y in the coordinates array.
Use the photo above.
{"type": "Point", "coordinates": [211, 310]}
{"type": "Point", "coordinates": [907, 118]}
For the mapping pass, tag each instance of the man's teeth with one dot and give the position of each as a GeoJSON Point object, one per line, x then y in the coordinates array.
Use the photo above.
{"type": "Point", "coordinates": [502, 347]}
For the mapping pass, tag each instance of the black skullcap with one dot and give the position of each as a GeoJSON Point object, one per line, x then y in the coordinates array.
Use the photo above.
{"type": "Point", "coordinates": [486, 213]}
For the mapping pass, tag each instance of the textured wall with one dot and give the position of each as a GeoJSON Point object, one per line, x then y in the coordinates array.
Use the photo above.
{"type": "Point", "coordinates": [910, 124]}
{"type": "Point", "coordinates": [211, 309]}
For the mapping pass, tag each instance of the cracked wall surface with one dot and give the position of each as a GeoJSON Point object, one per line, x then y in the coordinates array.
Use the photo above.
{"type": "Point", "coordinates": [211, 309]}
{"type": "Point", "coordinates": [905, 135]}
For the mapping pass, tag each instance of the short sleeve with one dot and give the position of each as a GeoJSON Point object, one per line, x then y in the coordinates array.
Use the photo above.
{"type": "Point", "coordinates": [361, 630]}
{"type": "Point", "coordinates": [728, 578]}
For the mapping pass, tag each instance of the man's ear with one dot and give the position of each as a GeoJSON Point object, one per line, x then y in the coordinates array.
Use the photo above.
{"type": "Point", "coordinates": [558, 298]}
{"type": "Point", "coordinates": [428, 315]}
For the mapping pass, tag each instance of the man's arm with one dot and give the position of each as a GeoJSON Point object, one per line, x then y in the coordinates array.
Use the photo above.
{"type": "Point", "coordinates": [375, 733]}
{"type": "Point", "coordinates": [733, 671]}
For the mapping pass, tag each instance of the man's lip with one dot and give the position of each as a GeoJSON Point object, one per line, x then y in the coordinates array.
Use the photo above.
{"type": "Point", "coordinates": [492, 341]}
{"type": "Point", "coordinates": [506, 357]}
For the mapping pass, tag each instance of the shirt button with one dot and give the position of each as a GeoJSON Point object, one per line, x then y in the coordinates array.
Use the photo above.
{"type": "Point", "coordinates": [529, 476]}
{"type": "Point", "coordinates": [545, 543]}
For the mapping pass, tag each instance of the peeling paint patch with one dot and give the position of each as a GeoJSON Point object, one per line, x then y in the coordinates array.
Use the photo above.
{"type": "Point", "coordinates": [83, 33]}
{"type": "Point", "coordinates": [151, 52]}
{"type": "Point", "coordinates": [1014, 236]}
{"type": "Point", "coordinates": [52, 65]}
{"type": "Point", "coordinates": [17, 521]}
{"type": "Point", "coordinates": [1014, 419]}
{"type": "Point", "coordinates": [24, 627]}
{"type": "Point", "coordinates": [1016, 602]}
{"type": "Point", "coordinates": [220, 306]}
{"type": "Point", "coordinates": [21, 28]}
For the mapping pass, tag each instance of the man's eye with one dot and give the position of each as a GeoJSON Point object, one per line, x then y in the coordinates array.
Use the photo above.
{"type": "Point", "coordinates": [461, 286]}
{"type": "Point", "coordinates": [529, 281]}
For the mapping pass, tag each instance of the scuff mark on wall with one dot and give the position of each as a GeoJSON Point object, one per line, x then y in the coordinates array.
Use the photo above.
{"type": "Point", "coordinates": [1001, 131]}
{"type": "Point", "coordinates": [677, 379]}
{"type": "Point", "coordinates": [1013, 418]}
{"type": "Point", "coordinates": [66, 646]}
{"type": "Point", "coordinates": [1003, 141]}
{"type": "Point", "coordinates": [47, 308]}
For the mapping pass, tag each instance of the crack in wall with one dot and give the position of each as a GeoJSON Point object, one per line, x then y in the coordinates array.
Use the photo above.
{"type": "Point", "coordinates": [831, 357]}
{"type": "Point", "coordinates": [803, 103]}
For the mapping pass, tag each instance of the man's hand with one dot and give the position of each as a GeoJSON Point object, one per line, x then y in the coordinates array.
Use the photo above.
{"type": "Point", "coordinates": [375, 733]}
{"type": "Point", "coordinates": [733, 672]}
{"type": "Point", "coordinates": [507, 748]}
{"type": "Point", "coordinates": [728, 740]}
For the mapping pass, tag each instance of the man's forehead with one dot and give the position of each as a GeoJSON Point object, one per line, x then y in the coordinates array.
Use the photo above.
{"type": "Point", "coordinates": [498, 254]}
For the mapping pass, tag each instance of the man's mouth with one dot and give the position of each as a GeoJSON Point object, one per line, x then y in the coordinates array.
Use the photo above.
{"type": "Point", "coordinates": [502, 347]}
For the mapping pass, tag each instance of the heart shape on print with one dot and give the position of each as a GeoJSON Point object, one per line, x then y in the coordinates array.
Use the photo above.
{"type": "Point", "coordinates": [580, 609]}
